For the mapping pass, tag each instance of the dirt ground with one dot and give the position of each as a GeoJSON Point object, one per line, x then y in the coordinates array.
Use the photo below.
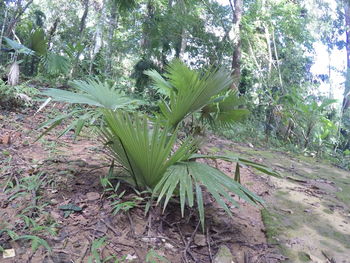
{"type": "Point", "coordinates": [308, 212]}
{"type": "Point", "coordinates": [54, 208]}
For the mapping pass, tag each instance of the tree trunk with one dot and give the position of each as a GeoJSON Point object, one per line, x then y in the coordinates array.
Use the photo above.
{"type": "Point", "coordinates": [346, 99]}
{"type": "Point", "coordinates": [113, 23]}
{"type": "Point", "coordinates": [52, 31]}
{"type": "Point", "coordinates": [84, 16]}
{"type": "Point", "coordinates": [19, 12]}
{"type": "Point", "coordinates": [237, 9]}
{"type": "Point", "coordinates": [80, 35]}
{"type": "Point", "coordinates": [147, 27]}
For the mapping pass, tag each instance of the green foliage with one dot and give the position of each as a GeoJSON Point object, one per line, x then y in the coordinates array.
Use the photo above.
{"type": "Point", "coordinates": [19, 48]}
{"type": "Point", "coordinates": [7, 94]}
{"type": "Point", "coordinates": [56, 64]}
{"type": "Point", "coordinates": [187, 90]}
{"type": "Point", "coordinates": [153, 257]}
{"type": "Point", "coordinates": [38, 42]}
{"type": "Point", "coordinates": [93, 93]}
{"type": "Point", "coordinates": [145, 153]}
{"type": "Point", "coordinates": [150, 152]}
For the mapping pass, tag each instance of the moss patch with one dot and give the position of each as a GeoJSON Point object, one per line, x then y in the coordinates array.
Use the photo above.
{"type": "Point", "coordinates": [304, 257]}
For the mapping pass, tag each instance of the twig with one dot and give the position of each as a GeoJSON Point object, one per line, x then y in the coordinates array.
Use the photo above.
{"type": "Point", "coordinates": [149, 224]}
{"type": "Point", "coordinates": [85, 250]}
{"type": "Point", "coordinates": [110, 228]}
{"type": "Point", "coordinates": [183, 241]}
{"type": "Point", "coordinates": [131, 223]}
{"type": "Point", "coordinates": [209, 247]}
{"type": "Point", "coordinates": [331, 260]}
{"type": "Point", "coordinates": [296, 180]}
{"type": "Point", "coordinates": [57, 250]}
{"type": "Point", "coordinates": [187, 248]}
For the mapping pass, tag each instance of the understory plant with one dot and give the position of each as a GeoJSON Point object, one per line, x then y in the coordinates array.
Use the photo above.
{"type": "Point", "coordinates": [152, 154]}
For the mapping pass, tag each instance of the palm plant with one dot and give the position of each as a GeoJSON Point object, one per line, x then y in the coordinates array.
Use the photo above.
{"type": "Point", "coordinates": [149, 151]}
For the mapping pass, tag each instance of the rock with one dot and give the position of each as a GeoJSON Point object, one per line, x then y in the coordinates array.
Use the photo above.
{"type": "Point", "coordinates": [224, 255]}
{"type": "Point", "coordinates": [92, 196]}
{"type": "Point", "coordinates": [200, 240]}
{"type": "Point", "coordinates": [130, 257]}
{"type": "Point", "coordinates": [55, 215]}
{"type": "Point", "coordinates": [170, 246]}
{"type": "Point", "coordinates": [6, 139]}
{"type": "Point", "coordinates": [9, 253]}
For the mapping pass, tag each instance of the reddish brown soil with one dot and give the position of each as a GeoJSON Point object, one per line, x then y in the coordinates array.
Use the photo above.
{"type": "Point", "coordinates": [71, 172]}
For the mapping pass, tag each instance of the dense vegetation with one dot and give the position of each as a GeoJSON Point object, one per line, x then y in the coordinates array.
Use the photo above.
{"type": "Point", "coordinates": [153, 77]}
{"type": "Point", "coordinates": [267, 46]}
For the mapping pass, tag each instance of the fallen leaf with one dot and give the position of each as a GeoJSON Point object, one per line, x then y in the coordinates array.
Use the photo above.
{"type": "Point", "coordinates": [70, 207]}
{"type": "Point", "coordinates": [200, 240]}
{"type": "Point", "coordinates": [130, 257]}
{"type": "Point", "coordinates": [92, 196]}
{"type": "Point", "coordinates": [9, 253]}
{"type": "Point", "coordinates": [6, 139]}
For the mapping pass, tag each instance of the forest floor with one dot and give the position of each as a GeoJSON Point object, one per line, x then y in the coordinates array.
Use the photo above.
{"type": "Point", "coordinates": [54, 209]}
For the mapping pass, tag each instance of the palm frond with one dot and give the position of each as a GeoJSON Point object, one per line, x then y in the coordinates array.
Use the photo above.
{"type": "Point", "coordinates": [160, 84]}
{"type": "Point", "coordinates": [186, 176]}
{"type": "Point", "coordinates": [19, 47]}
{"type": "Point", "coordinates": [224, 111]}
{"type": "Point", "coordinates": [143, 148]}
{"type": "Point", "coordinates": [56, 64]}
{"type": "Point", "coordinates": [190, 90]}
{"type": "Point", "coordinates": [38, 42]}
{"type": "Point", "coordinates": [232, 158]}
{"type": "Point", "coordinates": [94, 93]}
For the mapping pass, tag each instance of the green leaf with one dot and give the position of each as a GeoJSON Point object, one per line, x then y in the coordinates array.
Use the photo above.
{"type": "Point", "coordinates": [143, 148]}
{"type": "Point", "coordinates": [189, 90]}
{"type": "Point", "coordinates": [70, 207]}
{"type": "Point", "coordinates": [38, 42]}
{"type": "Point", "coordinates": [19, 47]}
{"type": "Point", "coordinates": [56, 64]}
{"type": "Point", "coordinates": [93, 93]}
{"type": "Point", "coordinates": [186, 175]}
{"type": "Point", "coordinates": [36, 242]}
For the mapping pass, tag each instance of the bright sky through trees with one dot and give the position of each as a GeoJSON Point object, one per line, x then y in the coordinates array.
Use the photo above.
{"type": "Point", "coordinates": [324, 63]}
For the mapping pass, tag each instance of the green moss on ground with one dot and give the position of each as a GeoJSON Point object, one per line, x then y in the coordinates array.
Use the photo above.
{"type": "Point", "coordinates": [304, 257]}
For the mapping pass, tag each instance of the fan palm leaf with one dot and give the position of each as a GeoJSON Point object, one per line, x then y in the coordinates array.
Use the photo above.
{"type": "Point", "coordinates": [189, 90]}
{"type": "Point", "coordinates": [93, 93]}
{"type": "Point", "coordinates": [187, 176]}
{"type": "Point", "coordinates": [144, 149]}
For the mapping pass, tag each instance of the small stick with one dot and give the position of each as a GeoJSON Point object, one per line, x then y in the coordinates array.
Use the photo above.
{"type": "Point", "coordinates": [85, 250]}
{"type": "Point", "coordinates": [110, 227]}
{"type": "Point", "coordinates": [131, 223]}
{"type": "Point", "coordinates": [187, 248]}
{"type": "Point", "coordinates": [183, 241]}
{"type": "Point", "coordinates": [209, 247]}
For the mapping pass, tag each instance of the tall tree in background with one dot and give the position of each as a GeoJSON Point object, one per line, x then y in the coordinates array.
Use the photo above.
{"type": "Point", "coordinates": [237, 9]}
{"type": "Point", "coordinates": [346, 100]}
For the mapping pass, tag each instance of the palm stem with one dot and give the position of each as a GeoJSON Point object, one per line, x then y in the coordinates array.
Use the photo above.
{"type": "Point", "coordinates": [131, 169]}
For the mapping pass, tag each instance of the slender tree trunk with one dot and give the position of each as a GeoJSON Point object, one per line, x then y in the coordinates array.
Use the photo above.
{"type": "Point", "coordinates": [113, 23]}
{"type": "Point", "coordinates": [346, 99]}
{"type": "Point", "coordinates": [3, 29]}
{"type": "Point", "coordinates": [97, 37]}
{"type": "Point", "coordinates": [237, 9]}
{"type": "Point", "coordinates": [84, 16]}
{"type": "Point", "coordinates": [52, 31]}
{"type": "Point", "coordinates": [268, 44]}
{"type": "Point", "coordinates": [147, 24]}
{"type": "Point", "coordinates": [19, 12]}
{"type": "Point", "coordinates": [80, 36]}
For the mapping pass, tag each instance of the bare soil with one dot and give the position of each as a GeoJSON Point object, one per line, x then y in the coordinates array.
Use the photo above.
{"type": "Point", "coordinates": [69, 173]}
